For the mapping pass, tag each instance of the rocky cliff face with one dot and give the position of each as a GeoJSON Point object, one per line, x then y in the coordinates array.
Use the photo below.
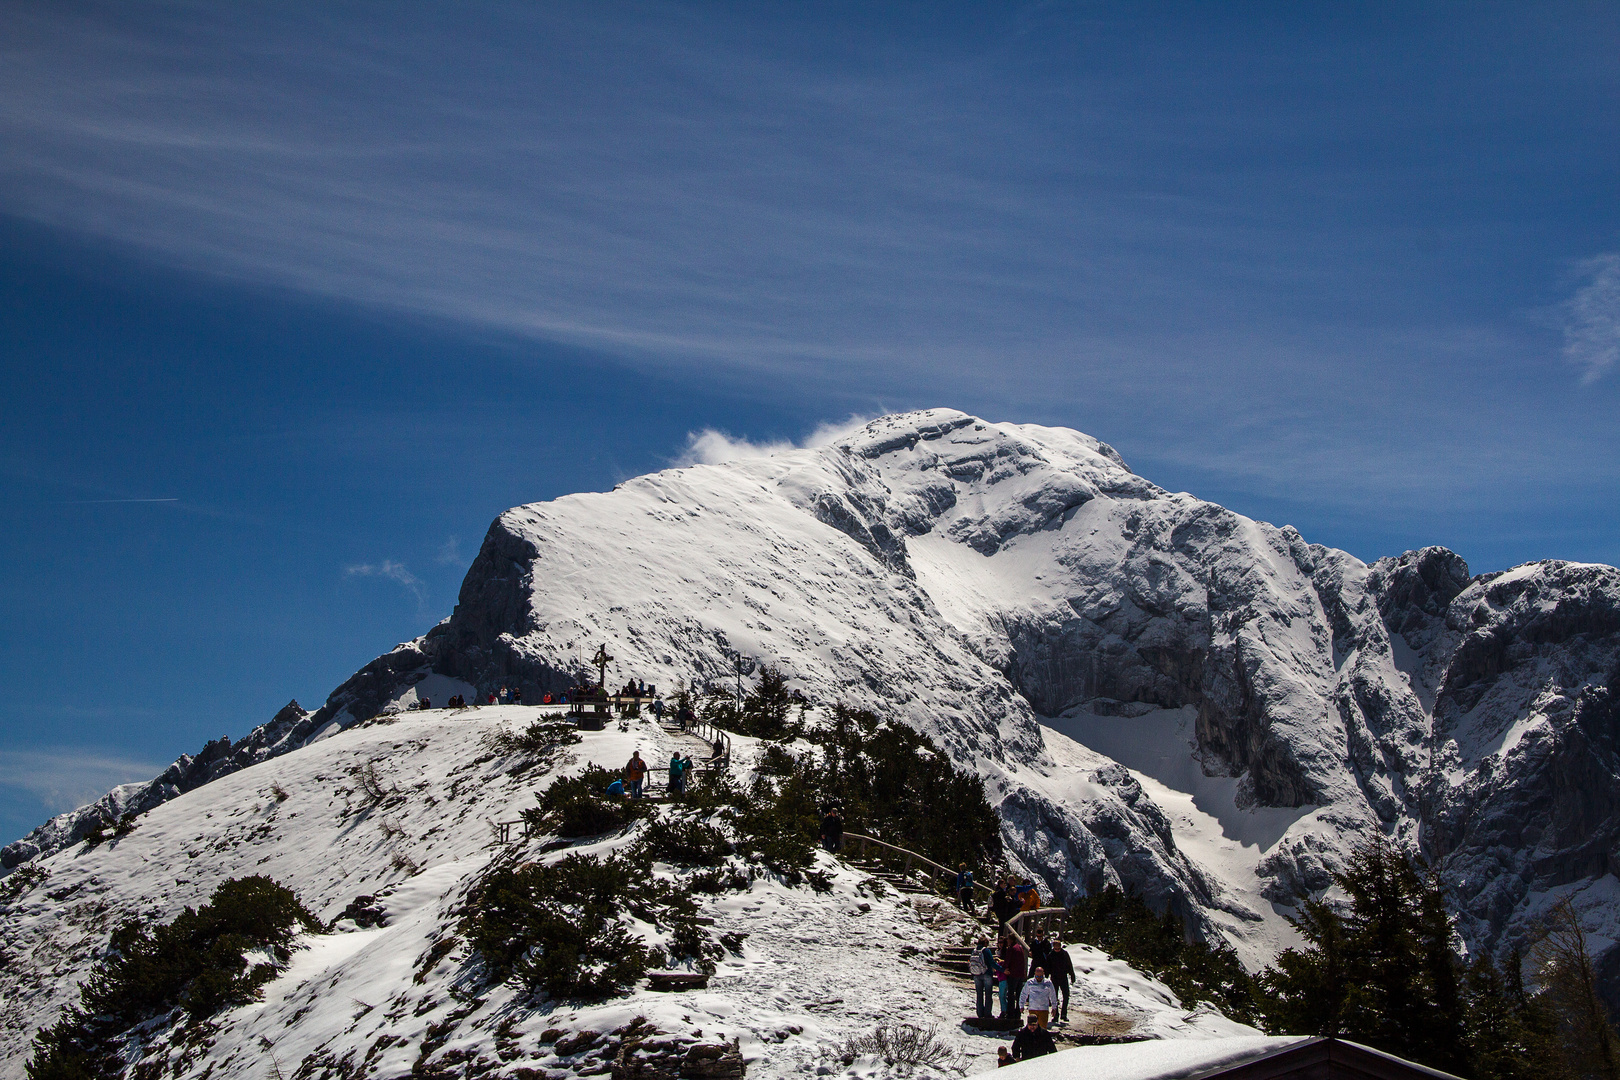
{"type": "Point", "coordinates": [1000, 586]}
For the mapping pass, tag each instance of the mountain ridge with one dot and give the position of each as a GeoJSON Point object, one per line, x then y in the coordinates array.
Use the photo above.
{"type": "Point", "coordinates": [994, 584]}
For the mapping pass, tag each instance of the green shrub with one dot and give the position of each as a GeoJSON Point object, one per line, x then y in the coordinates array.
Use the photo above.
{"type": "Point", "coordinates": [540, 737]}
{"type": "Point", "coordinates": [194, 964]}
{"type": "Point", "coordinates": [557, 928]}
{"type": "Point", "coordinates": [776, 760]}
{"type": "Point", "coordinates": [106, 829]}
{"type": "Point", "coordinates": [579, 806]}
{"type": "Point", "coordinates": [717, 880]}
{"type": "Point", "coordinates": [777, 824]}
{"type": "Point", "coordinates": [683, 842]}
{"type": "Point", "coordinates": [892, 782]}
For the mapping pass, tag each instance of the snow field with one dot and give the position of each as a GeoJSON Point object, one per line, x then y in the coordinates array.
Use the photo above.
{"type": "Point", "coordinates": [812, 970]}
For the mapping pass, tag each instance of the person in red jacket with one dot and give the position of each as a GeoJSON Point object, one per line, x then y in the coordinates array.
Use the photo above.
{"type": "Point", "coordinates": [1017, 965]}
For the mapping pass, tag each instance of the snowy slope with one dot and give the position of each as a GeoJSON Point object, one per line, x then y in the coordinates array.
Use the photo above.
{"type": "Point", "coordinates": [813, 969]}
{"type": "Point", "coordinates": [1159, 692]}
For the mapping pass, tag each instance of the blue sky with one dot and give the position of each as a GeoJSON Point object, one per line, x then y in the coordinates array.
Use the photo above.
{"type": "Point", "coordinates": [338, 283]}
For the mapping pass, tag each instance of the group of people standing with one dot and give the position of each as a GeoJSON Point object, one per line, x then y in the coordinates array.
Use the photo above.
{"type": "Point", "coordinates": [1011, 897]}
{"type": "Point", "coordinates": [634, 780]}
{"type": "Point", "coordinates": [1037, 981]}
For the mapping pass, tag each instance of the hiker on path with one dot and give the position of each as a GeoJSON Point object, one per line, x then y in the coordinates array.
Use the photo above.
{"type": "Point", "coordinates": [1028, 898]}
{"type": "Point", "coordinates": [1032, 1040]}
{"type": "Point", "coordinates": [1004, 905]}
{"type": "Point", "coordinates": [1003, 1057]}
{"type": "Point", "coordinates": [677, 774]}
{"type": "Point", "coordinates": [658, 709]}
{"type": "Point", "coordinates": [1061, 968]}
{"type": "Point", "coordinates": [635, 774]}
{"type": "Point", "coordinates": [1039, 996]}
{"type": "Point", "coordinates": [964, 887]}
{"type": "Point", "coordinates": [832, 829]}
{"type": "Point", "coordinates": [1012, 954]}
{"type": "Point", "coordinates": [615, 790]}
{"type": "Point", "coordinates": [1002, 986]}
{"type": "Point", "coordinates": [982, 966]}
{"type": "Point", "coordinates": [1038, 949]}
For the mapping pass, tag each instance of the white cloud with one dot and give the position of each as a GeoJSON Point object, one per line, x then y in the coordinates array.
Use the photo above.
{"type": "Point", "coordinates": [1592, 319]}
{"type": "Point", "coordinates": [393, 571]}
{"type": "Point", "coordinates": [660, 188]}
{"type": "Point", "coordinates": [830, 431]}
{"type": "Point", "coordinates": [712, 447]}
{"type": "Point", "coordinates": [63, 778]}
{"type": "Point", "coordinates": [450, 553]}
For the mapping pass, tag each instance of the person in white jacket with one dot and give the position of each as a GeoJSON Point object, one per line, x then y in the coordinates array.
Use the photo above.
{"type": "Point", "coordinates": [1039, 996]}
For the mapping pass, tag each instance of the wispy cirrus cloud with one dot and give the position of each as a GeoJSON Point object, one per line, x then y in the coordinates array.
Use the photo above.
{"type": "Point", "coordinates": [1592, 319]}
{"type": "Point", "coordinates": [62, 778]}
{"type": "Point", "coordinates": [391, 571]}
{"type": "Point", "coordinates": [450, 552]}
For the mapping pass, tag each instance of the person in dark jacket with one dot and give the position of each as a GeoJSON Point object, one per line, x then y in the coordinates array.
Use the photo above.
{"type": "Point", "coordinates": [832, 830]}
{"type": "Point", "coordinates": [1032, 1040]}
{"type": "Point", "coordinates": [1003, 905]}
{"type": "Point", "coordinates": [1039, 949]}
{"type": "Point", "coordinates": [1017, 965]}
{"type": "Point", "coordinates": [964, 887]}
{"type": "Point", "coordinates": [1061, 969]}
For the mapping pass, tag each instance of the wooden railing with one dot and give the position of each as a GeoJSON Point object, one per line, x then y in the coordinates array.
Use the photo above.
{"type": "Point", "coordinates": [911, 858]}
{"type": "Point", "coordinates": [503, 830]}
{"type": "Point", "coordinates": [1020, 924]}
{"type": "Point", "coordinates": [719, 740]}
{"type": "Point", "coordinates": [1026, 922]}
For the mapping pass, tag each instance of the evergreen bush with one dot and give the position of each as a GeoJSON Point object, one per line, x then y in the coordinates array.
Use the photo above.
{"type": "Point", "coordinates": [683, 842]}
{"type": "Point", "coordinates": [557, 928]}
{"type": "Point", "coordinates": [579, 806]}
{"type": "Point", "coordinates": [1381, 969]}
{"type": "Point", "coordinates": [193, 966]}
{"type": "Point", "coordinates": [539, 737]}
{"type": "Point", "coordinates": [895, 784]}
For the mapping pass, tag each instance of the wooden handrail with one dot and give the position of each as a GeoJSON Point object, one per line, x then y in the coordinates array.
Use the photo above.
{"type": "Point", "coordinates": [1045, 912]}
{"type": "Point", "coordinates": [1013, 924]}
{"type": "Point", "coordinates": [911, 856]}
{"type": "Point", "coordinates": [716, 738]}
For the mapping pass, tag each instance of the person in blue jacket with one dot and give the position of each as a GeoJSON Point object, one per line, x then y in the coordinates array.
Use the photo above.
{"type": "Point", "coordinates": [964, 887]}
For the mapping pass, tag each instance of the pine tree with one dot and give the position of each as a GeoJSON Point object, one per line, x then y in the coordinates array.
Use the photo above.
{"type": "Point", "coordinates": [1304, 990]}
{"type": "Point", "coordinates": [1382, 972]}
{"type": "Point", "coordinates": [1563, 966]}
{"type": "Point", "coordinates": [1508, 1036]}
{"type": "Point", "coordinates": [766, 709]}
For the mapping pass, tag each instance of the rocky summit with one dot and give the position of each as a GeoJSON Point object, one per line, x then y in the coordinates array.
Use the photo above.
{"type": "Point", "coordinates": [1160, 693]}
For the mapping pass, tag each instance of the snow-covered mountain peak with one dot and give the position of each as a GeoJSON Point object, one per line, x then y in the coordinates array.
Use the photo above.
{"type": "Point", "coordinates": [1161, 693]}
